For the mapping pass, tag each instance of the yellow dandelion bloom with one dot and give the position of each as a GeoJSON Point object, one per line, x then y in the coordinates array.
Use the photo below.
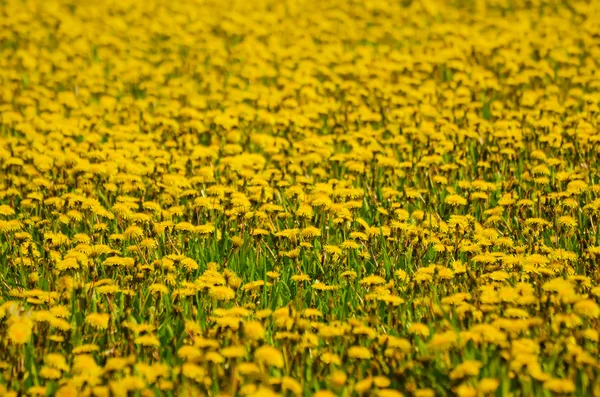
{"type": "Point", "coordinates": [50, 373]}
{"type": "Point", "coordinates": [222, 293]}
{"type": "Point", "coordinates": [67, 391]}
{"type": "Point", "coordinates": [389, 393]}
{"type": "Point", "coordinates": [324, 393]}
{"type": "Point", "coordinates": [419, 329]}
{"type": "Point", "coordinates": [465, 390]}
{"type": "Point", "coordinates": [291, 385]}
{"type": "Point", "coordinates": [562, 386]}
{"type": "Point", "coordinates": [147, 340]}
{"type": "Point", "coordinates": [300, 277]}
{"type": "Point", "coordinates": [372, 280]}
{"type": "Point", "coordinates": [465, 369]}
{"type": "Point", "coordinates": [363, 385]}
{"type": "Point", "coordinates": [587, 308]}
{"type": "Point", "coordinates": [233, 352]}
{"type": "Point", "coordinates": [488, 385]}
{"type": "Point", "coordinates": [248, 368]}
{"type": "Point", "coordinates": [254, 330]}
{"type": "Point", "coordinates": [20, 330]}
{"type": "Point", "coordinates": [455, 200]}
{"type": "Point", "coordinates": [425, 393]}
{"type": "Point", "coordinates": [189, 353]}
{"type": "Point", "coordinates": [269, 356]}
{"type": "Point", "coordinates": [98, 320]}
{"type": "Point", "coordinates": [359, 352]}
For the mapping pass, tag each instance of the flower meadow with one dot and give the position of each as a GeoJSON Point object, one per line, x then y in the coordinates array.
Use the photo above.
{"type": "Point", "coordinates": [299, 198]}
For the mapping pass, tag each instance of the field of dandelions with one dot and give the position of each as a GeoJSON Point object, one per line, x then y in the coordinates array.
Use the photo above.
{"type": "Point", "coordinates": [299, 198]}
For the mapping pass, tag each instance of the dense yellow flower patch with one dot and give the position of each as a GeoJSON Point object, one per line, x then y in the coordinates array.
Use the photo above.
{"type": "Point", "coordinates": [299, 197]}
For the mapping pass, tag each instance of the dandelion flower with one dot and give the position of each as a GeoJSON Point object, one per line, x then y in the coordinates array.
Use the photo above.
{"type": "Point", "coordinates": [455, 200]}
{"type": "Point", "coordinates": [222, 293]}
{"type": "Point", "coordinates": [419, 329]}
{"type": "Point", "coordinates": [562, 386]}
{"type": "Point", "coordinates": [20, 330]}
{"type": "Point", "coordinates": [587, 308]}
{"type": "Point", "coordinates": [324, 393]}
{"type": "Point", "coordinates": [270, 356]}
{"type": "Point", "coordinates": [300, 277]}
{"type": "Point", "coordinates": [359, 352]}
{"type": "Point", "coordinates": [466, 368]}
{"type": "Point", "coordinates": [488, 385]}
{"type": "Point", "coordinates": [98, 320]}
{"type": "Point", "coordinates": [147, 340]}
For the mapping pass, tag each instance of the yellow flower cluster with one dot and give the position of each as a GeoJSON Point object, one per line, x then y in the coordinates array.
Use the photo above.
{"type": "Point", "coordinates": [299, 197]}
